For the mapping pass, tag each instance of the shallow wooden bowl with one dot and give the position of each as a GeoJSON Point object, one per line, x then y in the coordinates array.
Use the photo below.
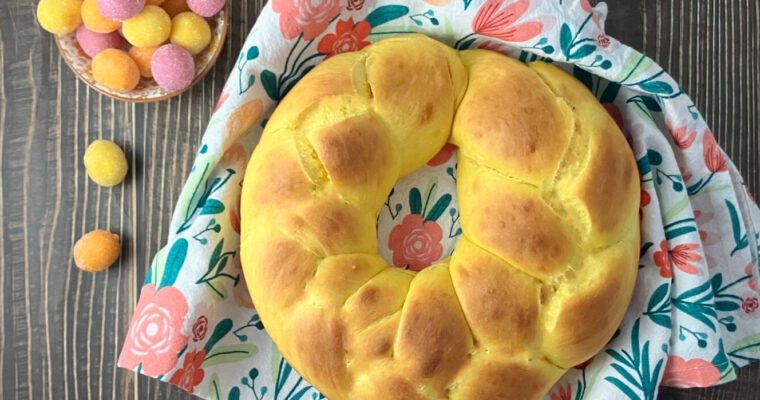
{"type": "Point", "coordinates": [148, 90]}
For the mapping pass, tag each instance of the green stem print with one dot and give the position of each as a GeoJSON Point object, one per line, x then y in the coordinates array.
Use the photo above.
{"type": "Point", "coordinates": [658, 308]}
{"type": "Point", "coordinates": [429, 15]}
{"type": "Point", "coordinates": [637, 377]}
{"type": "Point", "coordinates": [697, 303]}
{"type": "Point", "coordinates": [254, 321]}
{"type": "Point", "coordinates": [397, 207]}
{"type": "Point", "coordinates": [204, 204]}
{"type": "Point", "coordinates": [216, 266]}
{"type": "Point", "coordinates": [454, 220]}
{"type": "Point", "coordinates": [287, 385]}
{"type": "Point", "coordinates": [212, 226]}
{"type": "Point", "coordinates": [250, 55]}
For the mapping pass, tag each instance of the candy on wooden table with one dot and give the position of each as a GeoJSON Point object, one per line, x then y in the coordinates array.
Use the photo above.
{"type": "Point", "coordinates": [116, 70]}
{"type": "Point", "coordinates": [173, 67]}
{"type": "Point", "coordinates": [92, 43]}
{"type": "Point", "coordinates": [191, 32]}
{"type": "Point", "coordinates": [175, 7]}
{"type": "Point", "coordinates": [59, 16]}
{"type": "Point", "coordinates": [206, 8]}
{"type": "Point", "coordinates": [105, 163]}
{"type": "Point", "coordinates": [95, 21]}
{"type": "Point", "coordinates": [97, 250]}
{"type": "Point", "coordinates": [142, 56]}
{"type": "Point", "coordinates": [120, 10]}
{"type": "Point", "coordinates": [151, 27]}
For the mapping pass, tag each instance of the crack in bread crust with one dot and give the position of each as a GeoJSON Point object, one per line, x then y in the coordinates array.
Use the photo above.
{"type": "Point", "coordinates": [518, 301]}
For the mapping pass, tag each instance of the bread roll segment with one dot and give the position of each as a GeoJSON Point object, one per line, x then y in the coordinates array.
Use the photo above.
{"type": "Point", "coordinates": [548, 194]}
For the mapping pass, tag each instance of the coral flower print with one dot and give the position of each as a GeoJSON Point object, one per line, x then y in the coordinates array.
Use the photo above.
{"type": "Point", "coordinates": [563, 392]}
{"type": "Point", "coordinates": [682, 256]}
{"type": "Point", "coordinates": [662, 260]}
{"type": "Point", "coordinates": [496, 20]}
{"type": "Point", "coordinates": [682, 136]}
{"type": "Point", "coordinates": [680, 373]}
{"type": "Point", "coordinates": [713, 156]}
{"type": "Point", "coordinates": [355, 5]}
{"type": "Point", "coordinates": [750, 305]}
{"type": "Point", "coordinates": [586, 6]}
{"type": "Point", "coordinates": [307, 17]}
{"type": "Point", "coordinates": [347, 37]}
{"type": "Point", "coordinates": [443, 156]}
{"type": "Point", "coordinates": [200, 328]}
{"type": "Point", "coordinates": [415, 243]}
{"type": "Point", "coordinates": [191, 374]}
{"type": "Point", "coordinates": [155, 334]}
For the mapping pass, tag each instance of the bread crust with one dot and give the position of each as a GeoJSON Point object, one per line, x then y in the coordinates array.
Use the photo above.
{"type": "Point", "coordinates": [548, 192]}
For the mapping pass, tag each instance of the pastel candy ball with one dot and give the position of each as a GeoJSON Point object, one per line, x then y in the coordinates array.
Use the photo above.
{"type": "Point", "coordinates": [120, 10]}
{"type": "Point", "coordinates": [97, 250]}
{"type": "Point", "coordinates": [93, 43]}
{"type": "Point", "coordinates": [59, 16]}
{"type": "Point", "coordinates": [142, 56]}
{"type": "Point", "coordinates": [175, 7]}
{"type": "Point", "coordinates": [95, 21]}
{"type": "Point", "coordinates": [151, 27]}
{"type": "Point", "coordinates": [116, 70]}
{"type": "Point", "coordinates": [173, 67]}
{"type": "Point", "coordinates": [206, 8]}
{"type": "Point", "coordinates": [105, 163]}
{"type": "Point", "coordinates": [191, 32]}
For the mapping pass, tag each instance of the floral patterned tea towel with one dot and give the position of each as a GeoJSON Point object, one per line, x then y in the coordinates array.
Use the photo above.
{"type": "Point", "coordinates": [694, 316]}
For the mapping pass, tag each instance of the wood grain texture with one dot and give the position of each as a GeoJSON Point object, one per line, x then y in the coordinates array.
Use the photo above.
{"type": "Point", "coordinates": [61, 329]}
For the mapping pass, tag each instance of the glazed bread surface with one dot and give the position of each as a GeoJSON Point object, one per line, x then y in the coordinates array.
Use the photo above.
{"type": "Point", "coordinates": [548, 193]}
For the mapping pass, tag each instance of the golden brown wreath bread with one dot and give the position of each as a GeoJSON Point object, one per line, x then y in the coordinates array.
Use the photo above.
{"type": "Point", "coordinates": [548, 192]}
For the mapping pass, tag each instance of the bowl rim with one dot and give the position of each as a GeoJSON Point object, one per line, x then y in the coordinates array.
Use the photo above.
{"type": "Point", "coordinates": [198, 77]}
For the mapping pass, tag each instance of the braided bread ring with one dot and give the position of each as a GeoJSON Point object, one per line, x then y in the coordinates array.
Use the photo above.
{"type": "Point", "coordinates": [548, 194]}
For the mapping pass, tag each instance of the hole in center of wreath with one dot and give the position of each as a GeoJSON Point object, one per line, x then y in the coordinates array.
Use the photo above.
{"type": "Point", "coordinates": [419, 224]}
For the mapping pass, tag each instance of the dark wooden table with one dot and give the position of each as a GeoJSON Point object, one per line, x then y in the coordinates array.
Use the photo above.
{"type": "Point", "coordinates": [61, 330]}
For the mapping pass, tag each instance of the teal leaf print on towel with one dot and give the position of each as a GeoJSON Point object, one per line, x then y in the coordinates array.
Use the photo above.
{"type": "Point", "coordinates": [384, 14]}
{"type": "Point", "coordinates": [697, 302]}
{"type": "Point", "coordinates": [736, 225]}
{"type": "Point", "coordinates": [174, 262]}
{"type": "Point", "coordinates": [216, 266]}
{"type": "Point", "coordinates": [634, 368]}
{"type": "Point", "coordinates": [658, 308]}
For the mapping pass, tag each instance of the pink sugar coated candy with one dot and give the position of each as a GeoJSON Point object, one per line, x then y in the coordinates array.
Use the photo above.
{"type": "Point", "coordinates": [173, 67]}
{"type": "Point", "coordinates": [120, 10]}
{"type": "Point", "coordinates": [93, 43]}
{"type": "Point", "coordinates": [206, 8]}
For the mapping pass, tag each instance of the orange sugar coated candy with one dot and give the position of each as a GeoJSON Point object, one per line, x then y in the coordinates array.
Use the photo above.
{"type": "Point", "coordinates": [95, 21]}
{"type": "Point", "coordinates": [175, 7]}
{"type": "Point", "coordinates": [97, 250]}
{"type": "Point", "coordinates": [116, 70]}
{"type": "Point", "coordinates": [151, 27]}
{"type": "Point", "coordinates": [142, 56]}
{"type": "Point", "coordinates": [59, 16]}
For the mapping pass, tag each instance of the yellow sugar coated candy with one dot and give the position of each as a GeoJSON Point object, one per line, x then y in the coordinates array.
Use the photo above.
{"type": "Point", "coordinates": [97, 250]}
{"type": "Point", "coordinates": [191, 32]}
{"type": "Point", "coordinates": [175, 7]}
{"type": "Point", "coordinates": [151, 27]}
{"type": "Point", "coordinates": [105, 163]}
{"type": "Point", "coordinates": [142, 56]}
{"type": "Point", "coordinates": [154, 2]}
{"type": "Point", "coordinates": [95, 21]}
{"type": "Point", "coordinates": [59, 16]}
{"type": "Point", "coordinates": [116, 70]}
